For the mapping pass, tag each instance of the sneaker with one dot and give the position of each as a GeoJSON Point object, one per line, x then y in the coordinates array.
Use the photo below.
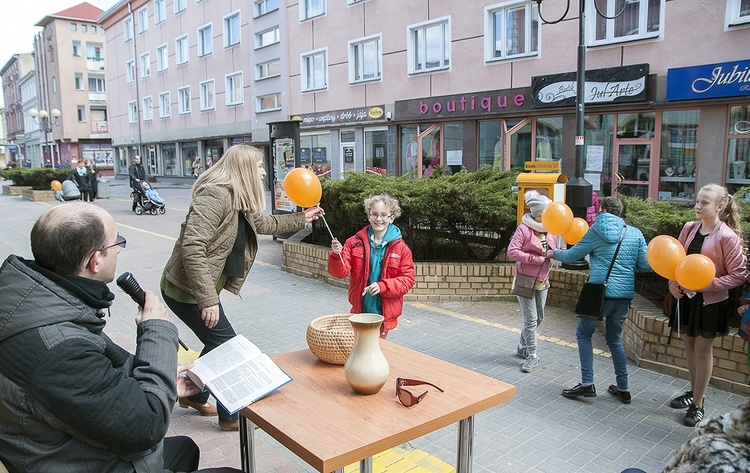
{"type": "Point", "coordinates": [693, 416]}
{"type": "Point", "coordinates": [623, 395]}
{"type": "Point", "coordinates": [580, 390]}
{"type": "Point", "coordinates": [530, 363]}
{"type": "Point", "coordinates": [681, 402]}
{"type": "Point", "coordinates": [521, 352]}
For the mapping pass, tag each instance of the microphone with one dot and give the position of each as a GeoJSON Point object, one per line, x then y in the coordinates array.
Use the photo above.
{"type": "Point", "coordinates": [130, 286]}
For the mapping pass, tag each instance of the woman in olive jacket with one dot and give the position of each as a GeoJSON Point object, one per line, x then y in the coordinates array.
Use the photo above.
{"type": "Point", "coordinates": [216, 249]}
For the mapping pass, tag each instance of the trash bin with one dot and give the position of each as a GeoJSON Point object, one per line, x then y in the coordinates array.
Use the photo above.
{"type": "Point", "coordinates": [102, 188]}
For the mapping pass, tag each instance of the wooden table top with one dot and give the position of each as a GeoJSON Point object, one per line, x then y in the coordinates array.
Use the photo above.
{"type": "Point", "coordinates": [323, 421]}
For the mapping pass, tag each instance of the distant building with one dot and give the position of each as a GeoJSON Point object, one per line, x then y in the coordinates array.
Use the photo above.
{"type": "Point", "coordinates": [15, 71]}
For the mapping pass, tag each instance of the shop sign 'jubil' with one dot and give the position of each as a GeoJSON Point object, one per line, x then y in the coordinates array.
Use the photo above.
{"type": "Point", "coordinates": [727, 79]}
{"type": "Point", "coordinates": [614, 84]}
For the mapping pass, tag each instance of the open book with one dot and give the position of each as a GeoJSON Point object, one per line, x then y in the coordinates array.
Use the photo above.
{"type": "Point", "coordinates": [237, 373]}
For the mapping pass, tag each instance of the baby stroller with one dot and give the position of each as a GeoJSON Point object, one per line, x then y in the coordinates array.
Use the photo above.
{"type": "Point", "coordinates": [146, 199]}
{"type": "Point", "coordinates": [69, 191]}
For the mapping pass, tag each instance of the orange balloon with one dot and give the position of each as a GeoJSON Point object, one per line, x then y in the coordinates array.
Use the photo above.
{"type": "Point", "coordinates": [557, 218]}
{"type": "Point", "coordinates": [695, 272]}
{"type": "Point", "coordinates": [303, 187]}
{"type": "Point", "coordinates": [56, 185]}
{"type": "Point", "coordinates": [664, 253]}
{"type": "Point", "coordinates": [576, 232]}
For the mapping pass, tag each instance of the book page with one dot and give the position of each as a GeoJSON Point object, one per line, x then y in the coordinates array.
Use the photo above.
{"type": "Point", "coordinates": [224, 357]}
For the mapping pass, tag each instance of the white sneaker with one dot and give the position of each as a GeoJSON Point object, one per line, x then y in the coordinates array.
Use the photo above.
{"type": "Point", "coordinates": [530, 363]}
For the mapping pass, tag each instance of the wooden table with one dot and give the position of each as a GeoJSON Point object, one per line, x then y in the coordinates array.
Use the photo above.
{"type": "Point", "coordinates": [319, 418]}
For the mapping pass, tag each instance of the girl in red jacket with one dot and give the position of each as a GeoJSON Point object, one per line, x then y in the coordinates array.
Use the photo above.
{"type": "Point", "coordinates": [378, 261]}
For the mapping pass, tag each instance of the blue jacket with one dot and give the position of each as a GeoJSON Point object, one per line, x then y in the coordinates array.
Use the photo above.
{"type": "Point", "coordinates": [600, 242]}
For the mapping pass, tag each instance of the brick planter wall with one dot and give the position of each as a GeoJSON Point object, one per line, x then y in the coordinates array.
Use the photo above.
{"type": "Point", "coordinates": [38, 195]}
{"type": "Point", "coordinates": [645, 333]}
{"type": "Point", "coordinates": [14, 190]}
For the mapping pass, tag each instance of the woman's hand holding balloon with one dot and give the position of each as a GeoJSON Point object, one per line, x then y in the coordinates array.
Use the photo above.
{"type": "Point", "coordinates": [336, 246]}
{"type": "Point", "coordinates": [313, 213]}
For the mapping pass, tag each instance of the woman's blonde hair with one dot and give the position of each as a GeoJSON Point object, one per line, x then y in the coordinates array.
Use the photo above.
{"type": "Point", "coordinates": [390, 202]}
{"type": "Point", "coordinates": [730, 214]}
{"type": "Point", "coordinates": [238, 170]}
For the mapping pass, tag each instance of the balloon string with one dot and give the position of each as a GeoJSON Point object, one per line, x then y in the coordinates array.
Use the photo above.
{"type": "Point", "coordinates": [332, 237]}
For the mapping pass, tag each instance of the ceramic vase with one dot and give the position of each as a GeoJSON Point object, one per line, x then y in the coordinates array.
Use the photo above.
{"type": "Point", "coordinates": [366, 370]}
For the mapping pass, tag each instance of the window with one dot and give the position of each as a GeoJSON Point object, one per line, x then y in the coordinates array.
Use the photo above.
{"type": "Point", "coordinates": [268, 69]}
{"type": "Point", "coordinates": [94, 52]}
{"type": "Point", "coordinates": [640, 19]}
{"type": "Point", "coordinates": [311, 8]}
{"type": "Point", "coordinates": [264, 38]}
{"type": "Point", "coordinates": [76, 49]}
{"type": "Point", "coordinates": [79, 81]}
{"type": "Point", "coordinates": [738, 148]}
{"type": "Point", "coordinates": [314, 71]}
{"type": "Point", "coordinates": [265, 6]}
{"type": "Point", "coordinates": [54, 84]}
{"type": "Point", "coordinates": [232, 29]}
{"type": "Point", "coordinates": [428, 47]}
{"type": "Point", "coordinates": [130, 71]}
{"type": "Point", "coordinates": [84, 29]}
{"type": "Point", "coordinates": [365, 60]}
{"type": "Point", "coordinates": [127, 29]}
{"type": "Point", "coordinates": [145, 65]}
{"type": "Point", "coordinates": [165, 106]}
{"type": "Point", "coordinates": [73, 27]}
{"type": "Point", "coordinates": [96, 83]}
{"type": "Point", "coordinates": [354, 2]}
{"type": "Point", "coordinates": [234, 89]}
{"type": "Point", "coordinates": [132, 112]}
{"type": "Point", "coordinates": [183, 100]}
{"type": "Point", "coordinates": [160, 11]}
{"type": "Point", "coordinates": [81, 113]}
{"type": "Point", "coordinates": [511, 31]}
{"type": "Point", "coordinates": [207, 95]}
{"type": "Point", "coordinates": [181, 50]}
{"type": "Point", "coordinates": [738, 12]}
{"type": "Point", "coordinates": [677, 163]}
{"type": "Point", "coordinates": [179, 6]}
{"type": "Point", "coordinates": [148, 109]}
{"type": "Point", "coordinates": [93, 29]}
{"type": "Point", "coordinates": [205, 41]}
{"type": "Point", "coordinates": [143, 20]}
{"type": "Point", "coordinates": [162, 58]}
{"type": "Point", "coordinates": [266, 103]}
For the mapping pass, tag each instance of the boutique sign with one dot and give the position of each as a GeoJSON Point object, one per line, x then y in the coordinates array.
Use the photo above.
{"type": "Point", "coordinates": [464, 105]}
{"type": "Point", "coordinates": [726, 79]}
{"type": "Point", "coordinates": [610, 85]}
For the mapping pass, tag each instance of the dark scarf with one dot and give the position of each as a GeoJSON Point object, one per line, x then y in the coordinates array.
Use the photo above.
{"type": "Point", "coordinates": [91, 292]}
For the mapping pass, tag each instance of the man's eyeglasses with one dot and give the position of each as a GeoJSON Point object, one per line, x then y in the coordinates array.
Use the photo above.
{"type": "Point", "coordinates": [120, 241]}
{"type": "Point", "coordinates": [406, 397]}
{"type": "Point", "coordinates": [380, 216]}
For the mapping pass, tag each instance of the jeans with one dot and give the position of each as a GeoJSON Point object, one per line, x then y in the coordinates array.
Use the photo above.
{"type": "Point", "coordinates": [615, 313]}
{"type": "Point", "coordinates": [533, 315]}
{"type": "Point", "coordinates": [210, 337]}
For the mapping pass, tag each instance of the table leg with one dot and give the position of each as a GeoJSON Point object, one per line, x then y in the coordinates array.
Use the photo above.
{"type": "Point", "coordinates": [465, 447]}
{"type": "Point", "coordinates": [247, 445]}
{"type": "Point", "coordinates": [365, 466]}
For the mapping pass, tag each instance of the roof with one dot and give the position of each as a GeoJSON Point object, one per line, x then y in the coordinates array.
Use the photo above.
{"type": "Point", "coordinates": [82, 11]}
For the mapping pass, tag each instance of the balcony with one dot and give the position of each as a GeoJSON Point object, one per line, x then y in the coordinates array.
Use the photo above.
{"type": "Point", "coordinates": [95, 63]}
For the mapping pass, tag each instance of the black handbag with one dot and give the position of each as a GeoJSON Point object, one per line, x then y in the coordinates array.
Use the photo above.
{"type": "Point", "coordinates": [591, 300]}
{"type": "Point", "coordinates": [524, 286]}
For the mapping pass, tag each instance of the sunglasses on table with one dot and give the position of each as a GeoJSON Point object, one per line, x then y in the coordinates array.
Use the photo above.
{"type": "Point", "coordinates": [406, 397]}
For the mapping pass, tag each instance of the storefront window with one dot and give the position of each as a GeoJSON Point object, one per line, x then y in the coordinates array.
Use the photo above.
{"type": "Point", "coordinates": [636, 125]}
{"type": "Point", "coordinates": [599, 142]}
{"type": "Point", "coordinates": [432, 155]}
{"type": "Point", "coordinates": [347, 149]}
{"type": "Point", "coordinates": [549, 139]}
{"type": "Point", "coordinates": [169, 155]}
{"type": "Point", "coordinates": [189, 153]}
{"type": "Point", "coordinates": [122, 161]}
{"type": "Point", "coordinates": [409, 151]}
{"type": "Point", "coordinates": [152, 160]}
{"type": "Point", "coordinates": [738, 148]}
{"type": "Point", "coordinates": [490, 145]}
{"type": "Point", "coordinates": [316, 149]}
{"type": "Point", "coordinates": [453, 143]}
{"type": "Point", "coordinates": [679, 143]}
{"type": "Point", "coordinates": [375, 146]}
{"type": "Point", "coordinates": [520, 144]}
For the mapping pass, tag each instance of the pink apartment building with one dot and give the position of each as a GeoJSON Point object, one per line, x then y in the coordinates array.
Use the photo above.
{"type": "Point", "coordinates": [404, 86]}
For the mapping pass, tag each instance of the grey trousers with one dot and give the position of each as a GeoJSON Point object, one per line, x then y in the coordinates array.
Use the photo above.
{"type": "Point", "coordinates": [533, 315]}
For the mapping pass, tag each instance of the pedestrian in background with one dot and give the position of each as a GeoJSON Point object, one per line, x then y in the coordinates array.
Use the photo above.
{"type": "Point", "coordinates": [378, 262]}
{"type": "Point", "coordinates": [600, 243]}
{"type": "Point", "coordinates": [704, 315]}
{"type": "Point", "coordinates": [82, 177]}
{"type": "Point", "coordinates": [531, 249]}
{"type": "Point", "coordinates": [136, 172]}
{"type": "Point", "coordinates": [216, 249]}
{"type": "Point", "coordinates": [94, 172]}
{"type": "Point", "coordinates": [593, 209]}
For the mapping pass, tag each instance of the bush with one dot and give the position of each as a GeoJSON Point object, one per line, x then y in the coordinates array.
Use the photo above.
{"type": "Point", "coordinates": [37, 178]}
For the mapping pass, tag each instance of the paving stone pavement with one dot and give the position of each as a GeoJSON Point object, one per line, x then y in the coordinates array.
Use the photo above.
{"type": "Point", "coordinates": [538, 431]}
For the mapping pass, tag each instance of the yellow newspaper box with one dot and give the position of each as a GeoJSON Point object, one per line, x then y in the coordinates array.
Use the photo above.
{"type": "Point", "coordinates": [550, 184]}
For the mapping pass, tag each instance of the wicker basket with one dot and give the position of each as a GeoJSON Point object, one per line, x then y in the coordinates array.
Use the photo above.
{"type": "Point", "coordinates": [331, 338]}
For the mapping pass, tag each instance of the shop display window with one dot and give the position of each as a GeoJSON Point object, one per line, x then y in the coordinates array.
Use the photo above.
{"type": "Point", "coordinates": [678, 157]}
{"type": "Point", "coordinates": [169, 156]}
{"type": "Point", "coordinates": [491, 145]}
{"type": "Point", "coordinates": [738, 148]}
{"type": "Point", "coordinates": [409, 151]}
{"type": "Point", "coordinates": [549, 139]}
{"type": "Point", "coordinates": [375, 155]}
{"type": "Point", "coordinates": [598, 131]}
{"type": "Point", "coordinates": [315, 153]}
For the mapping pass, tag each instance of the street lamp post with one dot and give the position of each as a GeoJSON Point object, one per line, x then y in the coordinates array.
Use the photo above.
{"type": "Point", "coordinates": [45, 120]}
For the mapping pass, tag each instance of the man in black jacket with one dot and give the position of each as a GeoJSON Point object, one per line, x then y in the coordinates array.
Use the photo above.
{"type": "Point", "coordinates": [136, 171]}
{"type": "Point", "coordinates": [72, 400]}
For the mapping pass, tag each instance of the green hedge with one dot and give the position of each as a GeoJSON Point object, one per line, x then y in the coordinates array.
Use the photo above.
{"type": "Point", "coordinates": [37, 178]}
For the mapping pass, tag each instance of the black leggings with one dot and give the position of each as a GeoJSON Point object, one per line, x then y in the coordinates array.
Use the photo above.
{"type": "Point", "coordinates": [181, 454]}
